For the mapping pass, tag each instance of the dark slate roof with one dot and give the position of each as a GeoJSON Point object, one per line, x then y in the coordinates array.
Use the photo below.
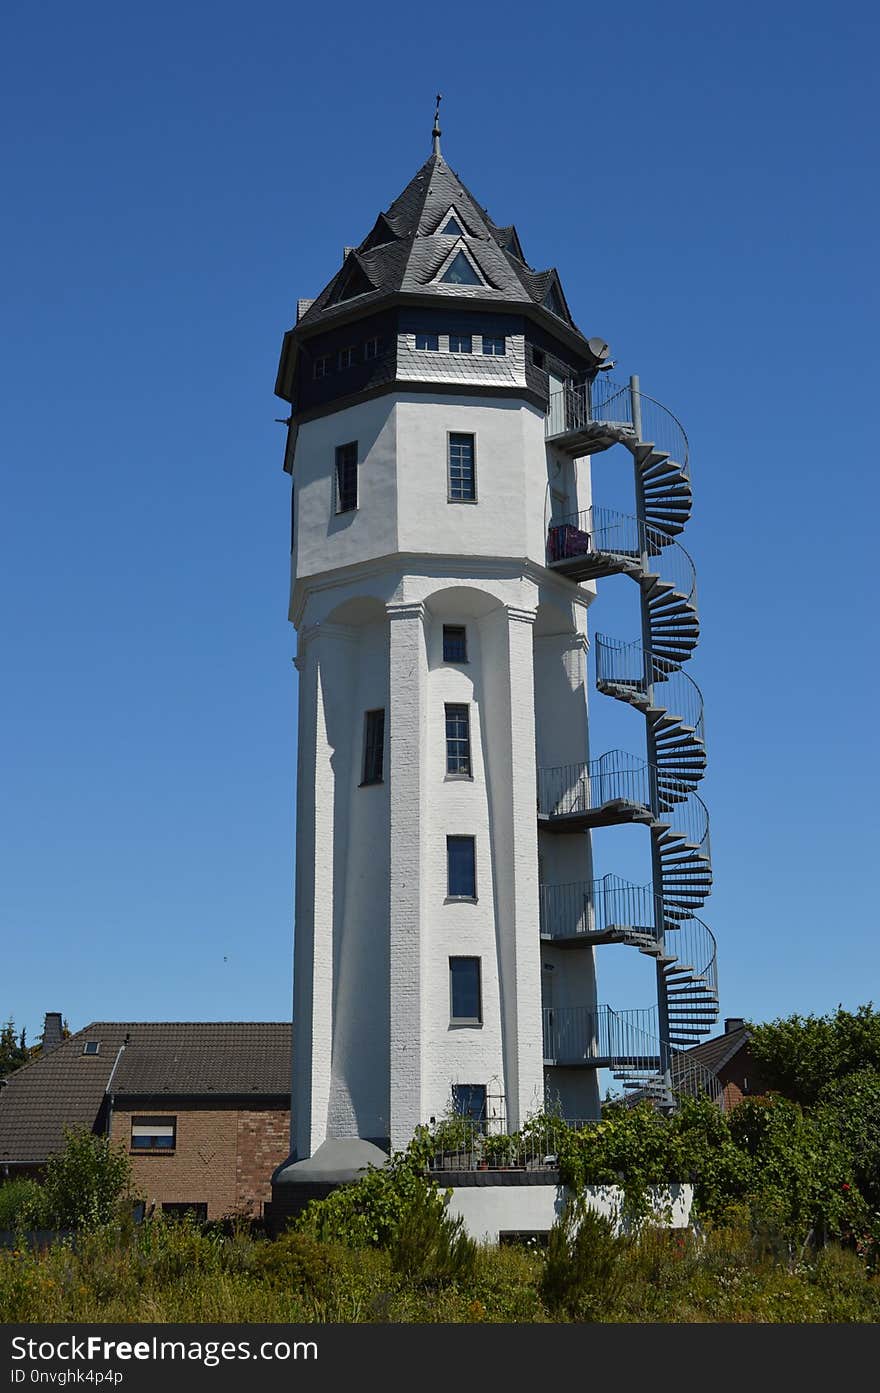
{"type": "Point", "coordinates": [183, 1059]}
{"type": "Point", "coordinates": [405, 249]}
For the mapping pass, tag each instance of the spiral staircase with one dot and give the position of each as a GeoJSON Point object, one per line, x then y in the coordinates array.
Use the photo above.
{"type": "Point", "coordinates": [660, 791]}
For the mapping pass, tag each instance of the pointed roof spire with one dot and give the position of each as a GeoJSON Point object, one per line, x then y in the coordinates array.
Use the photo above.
{"type": "Point", "coordinates": [436, 131]}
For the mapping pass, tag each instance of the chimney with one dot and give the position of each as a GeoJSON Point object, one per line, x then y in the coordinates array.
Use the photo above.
{"type": "Point", "coordinates": [733, 1023]}
{"type": "Point", "coordinates": [52, 1036]}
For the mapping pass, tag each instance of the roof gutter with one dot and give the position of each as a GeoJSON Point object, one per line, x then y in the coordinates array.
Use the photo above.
{"type": "Point", "coordinates": [107, 1094]}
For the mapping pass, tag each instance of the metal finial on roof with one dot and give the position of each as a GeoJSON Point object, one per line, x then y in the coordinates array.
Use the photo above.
{"type": "Point", "coordinates": [436, 131]}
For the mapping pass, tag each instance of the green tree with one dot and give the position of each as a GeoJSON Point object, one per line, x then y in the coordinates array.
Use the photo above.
{"type": "Point", "coordinates": [13, 1048]}
{"type": "Point", "coordinates": [85, 1182]}
{"type": "Point", "coordinates": [802, 1055]}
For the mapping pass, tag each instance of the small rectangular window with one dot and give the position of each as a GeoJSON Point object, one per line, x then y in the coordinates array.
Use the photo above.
{"type": "Point", "coordinates": [494, 346]}
{"type": "Point", "coordinates": [461, 343]}
{"type": "Point", "coordinates": [465, 997]}
{"type": "Point", "coordinates": [346, 357]}
{"type": "Point", "coordinates": [454, 643]}
{"type": "Point", "coordinates": [462, 469]}
{"type": "Point", "coordinates": [458, 740]}
{"type": "Point", "coordinates": [428, 341]}
{"type": "Point", "coordinates": [537, 357]}
{"type": "Point", "coordinates": [184, 1209]}
{"type": "Point", "coordinates": [92, 1047]}
{"type": "Point", "coordinates": [346, 477]}
{"type": "Point", "coordinates": [371, 349]}
{"type": "Point", "coordinates": [321, 368]}
{"type": "Point", "coordinates": [374, 746]}
{"type": "Point", "coordinates": [461, 868]}
{"type": "Point", "coordinates": [153, 1133]}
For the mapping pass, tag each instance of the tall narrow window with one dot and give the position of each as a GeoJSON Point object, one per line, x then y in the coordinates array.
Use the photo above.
{"type": "Point", "coordinates": [346, 477]}
{"type": "Point", "coordinates": [374, 746]}
{"type": "Point", "coordinates": [462, 469]}
{"type": "Point", "coordinates": [321, 367]}
{"type": "Point", "coordinates": [429, 341]}
{"type": "Point", "coordinates": [461, 868]}
{"type": "Point", "coordinates": [494, 346]}
{"type": "Point", "coordinates": [465, 997]}
{"type": "Point", "coordinates": [454, 643]}
{"type": "Point", "coordinates": [371, 349]}
{"type": "Point", "coordinates": [469, 1100]}
{"type": "Point", "coordinates": [458, 740]}
{"type": "Point", "coordinates": [346, 357]}
{"type": "Point", "coordinates": [461, 343]}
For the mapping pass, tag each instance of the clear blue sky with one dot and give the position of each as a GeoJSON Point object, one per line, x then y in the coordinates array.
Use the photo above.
{"type": "Point", "coordinates": [705, 179]}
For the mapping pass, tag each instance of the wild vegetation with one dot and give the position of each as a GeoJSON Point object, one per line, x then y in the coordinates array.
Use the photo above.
{"type": "Point", "coordinates": [785, 1224]}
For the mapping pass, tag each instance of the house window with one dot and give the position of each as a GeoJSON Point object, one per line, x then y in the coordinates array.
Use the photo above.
{"type": "Point", "coordinates": [461, 868]}
{"type": "Point", "coordinates": [346, 477]}
{"type": "Point", "coordinates": [494, 346]}
{"type": "Point", "coordinates": [454, 643]}
{"type": "Point", "coordinates": [452, 228]}
{"type": "Point", "coordinates": [461, 343]}
{"type": "Point", "coordinates": [429, 341]}
{"type": "Point", "coordinates": [92, 1047]}
{"type": "Point", "coordinates": [465, 999]}
{"type": "Point", "coordinates": [153, 1133]}
{"type": "Point", "coordinates": [537, 357]}
{"type": "Point", "coordinates": [458, 740]}
{"type": "Point", "coordinates": [346, 357]}
{"type": "Point", "coordinates": [197, 1209]}
{"type": "Point", "coordinates": [371, 349]}
{"type": "Point", "coordinates": [321, 367]}
{"type": "Point", "coordinates": [462, 471]}
{"type": "Point", "coordinates": [469, 1100]}
{"type": "Point", "coordinates": [460, 272]}
{"type": "Point", "coordinates": [374, 746]}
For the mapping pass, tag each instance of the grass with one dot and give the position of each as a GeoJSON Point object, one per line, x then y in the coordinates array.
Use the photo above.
{"type": "Point", "coordinates": [179, 1272]}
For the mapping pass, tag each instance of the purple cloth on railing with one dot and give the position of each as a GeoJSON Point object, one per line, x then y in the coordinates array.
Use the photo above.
{"type": "Point", "coordinates": [565, 541]}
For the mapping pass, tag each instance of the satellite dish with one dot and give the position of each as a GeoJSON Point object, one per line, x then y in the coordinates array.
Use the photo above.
{"type": "Point", "coordinates": [598, 348]}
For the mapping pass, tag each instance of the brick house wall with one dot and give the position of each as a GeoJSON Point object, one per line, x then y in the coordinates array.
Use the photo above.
{"type": "Point", "coordinates": [224, 1156]}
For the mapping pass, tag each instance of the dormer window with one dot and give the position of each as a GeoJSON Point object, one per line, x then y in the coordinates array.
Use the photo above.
{"type": "Point", "coordinates": [92, 1047]}
{"type": "Point", "coordinates": [431, 342]}
{"type": "Point", "coordinates": [321, 367]}
{"type": "Point", "coordinates": [346, 357]}
{"type": "Point", "coordinates": [451, 227]}
{"type": "Point", "coordinates": [460, 271]}
{"type": "Point", "coordinates": [461, 343]}
{"type": "Point", "coordinates": [494, 347]}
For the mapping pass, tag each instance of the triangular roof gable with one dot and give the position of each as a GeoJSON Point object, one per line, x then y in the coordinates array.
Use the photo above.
{"type": "Point", "coordinates": [554, 298]}
{"type": "Point", "coordinates": [352, 280]}
{"type": "Point", "coordinates": [459, 260]}
{"type": "Point", "coordinates": [452, 223]}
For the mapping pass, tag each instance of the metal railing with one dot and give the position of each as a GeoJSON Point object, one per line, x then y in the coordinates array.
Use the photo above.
{"type": "Point", "coordinates": [630, 665]}
{"type": "Point", "coordinates": [584, 907]}
{"type": "Point", "coordinates": [619, 777]}
{"type": "Point", "coordinates": [462, 1144]}
{"type": "Point", "coordinates": [604, 531]}
{"type": "Point", "coordinates": [576, 406]}
{"type": "Point", "coordinates": [578, 1035]}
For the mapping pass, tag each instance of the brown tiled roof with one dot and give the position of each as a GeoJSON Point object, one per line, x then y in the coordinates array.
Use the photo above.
{"type": "Point", "coordinates": [195, 1059]}
{"type": "Point", "coordinates": [715, 1053]}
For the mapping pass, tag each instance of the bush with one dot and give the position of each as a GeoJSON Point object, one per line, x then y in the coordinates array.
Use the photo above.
{"type": "Point", "coordinates": [85, 1182]}
{"type": "Point", "coordinates": [297, 1263]}
{"type": "Point", "coordinates": [22, 1205]}
{"type": "Point", "coordinates": [581, 1275]}
{"type": "Point", "coordinates": [428, 1246]}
